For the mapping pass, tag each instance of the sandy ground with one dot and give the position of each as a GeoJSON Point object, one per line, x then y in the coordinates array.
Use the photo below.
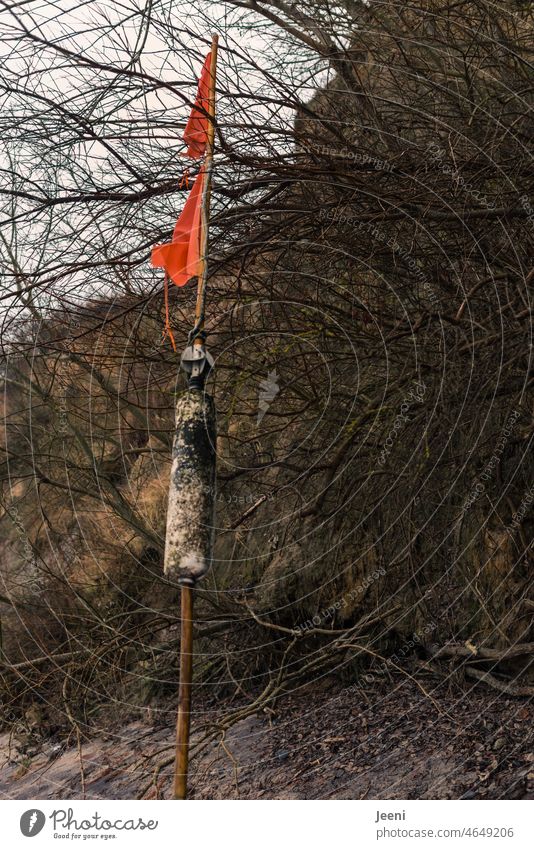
{"type": "Point", "coordinates": [388, 741]}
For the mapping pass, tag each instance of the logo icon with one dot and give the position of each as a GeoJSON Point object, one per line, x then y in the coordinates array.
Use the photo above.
{"type": "Point", "coordinates": [269, 389]}
{"type": "Point", "coordinates": [32, 822]}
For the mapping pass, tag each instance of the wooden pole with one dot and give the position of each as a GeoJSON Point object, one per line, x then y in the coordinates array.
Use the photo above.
{"type": "Point", "coordinates": [206, 197]}
{"type": "Point", "coordinates": [183, 719]}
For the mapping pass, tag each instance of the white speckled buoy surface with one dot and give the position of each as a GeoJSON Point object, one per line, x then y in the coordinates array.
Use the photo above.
{"type": "Point", "coordinates": [191, 506]}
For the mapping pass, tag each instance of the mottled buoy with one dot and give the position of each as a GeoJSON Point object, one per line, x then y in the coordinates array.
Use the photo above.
{"type": "Point", "coordinates": [191, 506]}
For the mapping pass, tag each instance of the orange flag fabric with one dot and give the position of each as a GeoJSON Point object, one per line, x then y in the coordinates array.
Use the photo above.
{"type": "Point", "coordinates": [180, 257]}
{"type": "Point", "coordinates": [196, 131]}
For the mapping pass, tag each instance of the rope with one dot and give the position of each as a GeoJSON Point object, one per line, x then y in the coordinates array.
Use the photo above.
{"type": "Point", "coordinates": [167, 330]}
{"type": "Point", "coordinates": [185, 180]}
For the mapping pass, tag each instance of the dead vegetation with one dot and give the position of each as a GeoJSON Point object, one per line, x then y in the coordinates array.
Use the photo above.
{"type": "Point", "coordinates": [370, 296]}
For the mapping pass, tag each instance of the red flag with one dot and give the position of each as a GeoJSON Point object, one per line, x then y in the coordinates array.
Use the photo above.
{"type": "Point", "coordinates": [196, 131]}
{"type": "Point", "coordinates": [180, 257]}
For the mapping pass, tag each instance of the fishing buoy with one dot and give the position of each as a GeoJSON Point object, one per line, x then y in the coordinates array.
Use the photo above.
{"type": "Point", "coordinates": [191, 506]}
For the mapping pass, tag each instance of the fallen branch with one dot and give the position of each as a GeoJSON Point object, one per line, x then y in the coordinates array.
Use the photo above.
{"type": "Point", "coordinates": [502, 686]}
{"type": "Point", "coordinates": [37, 661]}
{"type": "Point", "coordinates": [476, 652]}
